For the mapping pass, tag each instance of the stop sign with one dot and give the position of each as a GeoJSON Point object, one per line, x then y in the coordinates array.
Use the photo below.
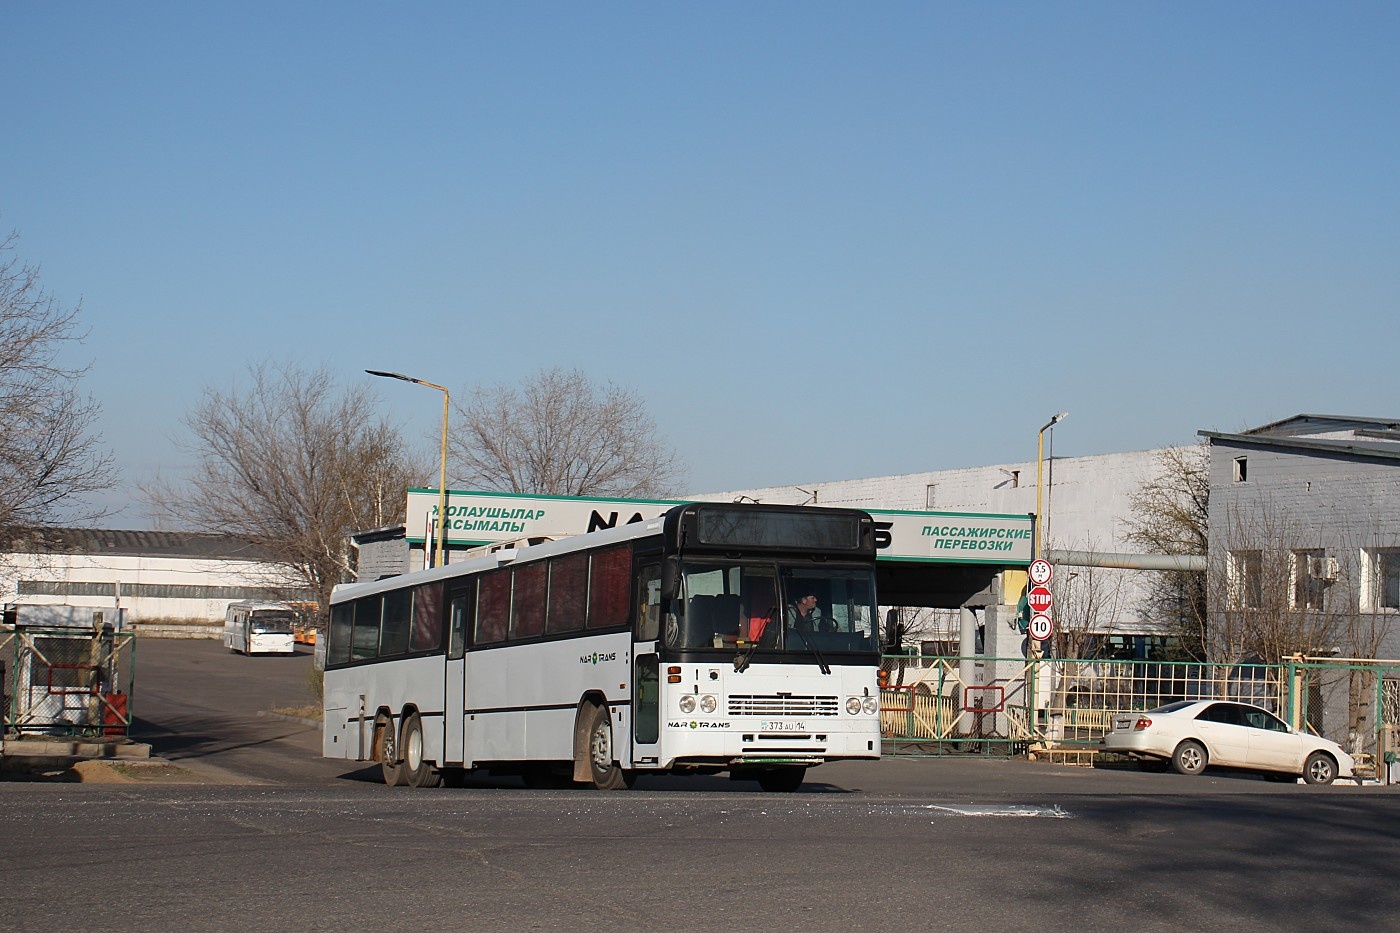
{"type": "Point", "coordinates": [1039, 599]}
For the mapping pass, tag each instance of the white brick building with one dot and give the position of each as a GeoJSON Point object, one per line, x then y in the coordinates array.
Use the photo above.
{"type": "Point", "coordinates": [143, 576]}
{"type": "Point", "coordinates": [1305, 520]}
{"type": "Point", "coordinates": [1085, 500]}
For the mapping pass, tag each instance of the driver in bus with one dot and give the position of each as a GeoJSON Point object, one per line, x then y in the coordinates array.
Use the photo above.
{"type": "Point", "coordinates": [803, 614]}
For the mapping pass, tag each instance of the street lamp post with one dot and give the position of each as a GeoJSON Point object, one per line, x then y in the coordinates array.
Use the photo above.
{"type": "Point", "coordinates": [1035, 646]}
{"type": "Point", "coordinates": [1039, 463]}
{"type": "Point", "coordinates": [441, 550]}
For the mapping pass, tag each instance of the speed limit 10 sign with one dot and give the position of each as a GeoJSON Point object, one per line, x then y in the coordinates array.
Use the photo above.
{"type": "Point", "coordinates": [1041, 627]}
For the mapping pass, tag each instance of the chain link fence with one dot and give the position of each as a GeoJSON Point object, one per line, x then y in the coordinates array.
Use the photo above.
{"type": "Point", "coordinates": [1006, 706]}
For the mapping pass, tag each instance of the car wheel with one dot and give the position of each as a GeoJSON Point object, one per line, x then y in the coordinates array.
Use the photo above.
{"type": "Point", "coordinates": [1189, 758]}
{"type": "Point", "coordinates": [1319, 769]}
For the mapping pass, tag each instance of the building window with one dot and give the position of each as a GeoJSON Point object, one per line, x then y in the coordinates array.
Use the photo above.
{"type": "Point", "coordinates": [930, 495]}
{"type": "Point", "coordinates": [1247, 579]}
{"type": "Point", "coordinates": [1310, 577]}
{"type": "Point", "coordinates": [1384, 578]}
{"type": "Point", "coordinates": [1241, 469]}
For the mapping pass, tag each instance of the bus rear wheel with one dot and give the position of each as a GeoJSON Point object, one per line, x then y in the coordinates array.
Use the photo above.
{"type": "Point", "coordinates": [417, 771]}
{"type": "Point", "coordinates": [386, 750]}
{"type": "Point", "coordinates": [606, 775]}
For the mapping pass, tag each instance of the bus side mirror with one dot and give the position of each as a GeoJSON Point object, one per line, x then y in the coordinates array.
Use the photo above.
{"type": "Point", "coordinates": [670, 572]}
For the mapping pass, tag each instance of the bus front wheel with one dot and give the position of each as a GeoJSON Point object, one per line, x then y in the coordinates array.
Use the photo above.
{"type": "Point", "coordinates": [606, 775]}
{"type": "Point", "coordinates": [417, 771]}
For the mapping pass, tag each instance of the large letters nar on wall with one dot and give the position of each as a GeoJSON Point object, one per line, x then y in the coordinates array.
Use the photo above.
{"type": "Point", "coordinates": [475, 518]}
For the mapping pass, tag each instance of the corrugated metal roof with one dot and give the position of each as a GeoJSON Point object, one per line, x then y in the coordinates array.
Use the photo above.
{"type": "Point", "coordinates": [1299, 425]}
{"type": "Point", "coordinates": [1338, 434]}
{"type": "Point", "coordinates": [138, 543]}
{"type": "Point", "coordinates": [1383, 449]}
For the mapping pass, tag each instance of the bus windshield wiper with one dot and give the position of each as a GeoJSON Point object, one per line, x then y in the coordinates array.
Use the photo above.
{"type": "Point", "coordinates": [741, 660]}
{"type": "Point", "coordinates": [821, 662]}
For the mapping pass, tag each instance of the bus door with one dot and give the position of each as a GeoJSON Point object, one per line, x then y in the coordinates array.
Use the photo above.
{"type": "Point", "coordinates": [454, 692]}
{"type": "Point", "coordinates": [646, 668]}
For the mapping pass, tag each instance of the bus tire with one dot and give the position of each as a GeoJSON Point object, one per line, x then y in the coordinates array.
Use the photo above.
{"type": "Point", "coordinates": [603, 769]}
{"type": "Point", "coordinates": [417, 771]}
{"type": "Point", "coordinates": [386, 751]}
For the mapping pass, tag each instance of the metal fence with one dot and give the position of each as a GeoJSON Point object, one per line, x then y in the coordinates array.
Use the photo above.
{"type": "Point", "coordinates": [67, 681]}
{"type": "Point", "coordinates": [1007, 706]}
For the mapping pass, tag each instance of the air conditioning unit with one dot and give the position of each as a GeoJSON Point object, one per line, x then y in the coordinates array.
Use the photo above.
{"type": "Point", "coordinates": [1322, 568]}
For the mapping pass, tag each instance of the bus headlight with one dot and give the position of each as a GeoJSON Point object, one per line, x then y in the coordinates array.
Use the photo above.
{"type": "Point", "coordinates": [872, 705]}
{"type": "Point", "coordinates": [687, 704]}
{"type": "Point", "coordinates": [853, 705]}
{"type": "Point", "coordinates": [708, 704]}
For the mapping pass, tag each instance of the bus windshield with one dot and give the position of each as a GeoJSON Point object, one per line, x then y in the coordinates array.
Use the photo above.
{"type": "Point", "coordinates": [775, 607]}
{"type": "Point", "coordinates": [272, 623]}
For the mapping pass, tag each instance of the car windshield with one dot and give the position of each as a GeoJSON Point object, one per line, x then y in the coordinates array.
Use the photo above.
{"type": "Point", "coordinates": [767, 607]}
{"type": "Point", "coordinates": [272, 623]}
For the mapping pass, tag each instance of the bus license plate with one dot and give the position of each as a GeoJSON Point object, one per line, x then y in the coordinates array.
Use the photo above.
{"type": "Point", "coordinates": [778, 726]}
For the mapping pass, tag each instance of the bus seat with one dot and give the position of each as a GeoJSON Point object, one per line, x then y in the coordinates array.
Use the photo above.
{"type": "Point", "coordinates": [700, 621]}
{"type": "Point", "coordinates": [725, 616]}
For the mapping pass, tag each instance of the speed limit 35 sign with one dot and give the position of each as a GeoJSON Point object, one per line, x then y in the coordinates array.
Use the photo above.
{"type": "Point", "coordinates": [1040, 572]}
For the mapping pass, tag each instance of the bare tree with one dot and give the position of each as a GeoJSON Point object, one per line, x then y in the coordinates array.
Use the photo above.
{"type": "Point", "coordinates": [1171, 515]}
{"type": "Point", "coordinates": [294, 464]}
{"type": "Point", "coordinates": [561, 434]}
{"type": "Point", "coordinates": [1361, 630]}
{"type": "Point", "coordinates": [1087, 604]}
{"type": "Point", "coordinates": [1264, 605]}
{"type": "Point", "coordinates": [50, 459]}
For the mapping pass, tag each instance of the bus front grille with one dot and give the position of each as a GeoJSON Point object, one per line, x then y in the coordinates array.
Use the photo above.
{"type": "Point", "coordinates": [782, 704]}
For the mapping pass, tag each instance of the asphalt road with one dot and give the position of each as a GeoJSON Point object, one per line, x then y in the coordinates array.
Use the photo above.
{"type": "Point", "coordinates": [900, 844]}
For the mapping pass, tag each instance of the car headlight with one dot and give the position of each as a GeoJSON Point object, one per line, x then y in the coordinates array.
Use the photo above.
{"type": "Point", "coordinates": [708, 704]}
{"type": "Point", "coordinates": [853, 705]}
{"type": "Point", "coordinates": [687, 704]}
{"type": "Point", "coordinates": [871, 705]}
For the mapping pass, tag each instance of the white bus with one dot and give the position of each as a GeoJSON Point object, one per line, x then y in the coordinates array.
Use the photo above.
{"type": "Point", "coordinates": [253, 627]}
{"type": "Point", "coordinates": [665, 646]}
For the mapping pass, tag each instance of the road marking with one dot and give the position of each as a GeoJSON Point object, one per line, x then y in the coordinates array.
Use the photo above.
{"type": "Point", "coordinates": [998, 809]}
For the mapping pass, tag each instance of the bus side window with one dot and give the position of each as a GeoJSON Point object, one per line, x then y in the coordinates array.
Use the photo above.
{"type": "Point", "coordinates": [427, 618]}
{"type": "Point", "coordinates": [393, 635]}
{"type": "Point", "coordinates": [457, 631]}
{"type": "Point", "coordinates": [338, 650]}
{"type": "Point", "coordinates": [527, 602]}
{"type": "Point", "coordinates": [364, 642]}
{"type": "Point", "coordinates": [609, 593]}
{"type": "Point", "coordinates": [568, 592]}
{"type": "Point", "coordinates": [649, 602]}
{"type": "Point", "coordinates": [493, 607]}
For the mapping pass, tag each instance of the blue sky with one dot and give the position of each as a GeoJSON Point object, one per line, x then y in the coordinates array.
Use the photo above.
{"type": "Point", "coordinates": [821, 240]}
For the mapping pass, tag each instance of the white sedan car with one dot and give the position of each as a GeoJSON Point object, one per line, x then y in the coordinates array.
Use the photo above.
{"type": "Point", "coordinates": [1191, 734]}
